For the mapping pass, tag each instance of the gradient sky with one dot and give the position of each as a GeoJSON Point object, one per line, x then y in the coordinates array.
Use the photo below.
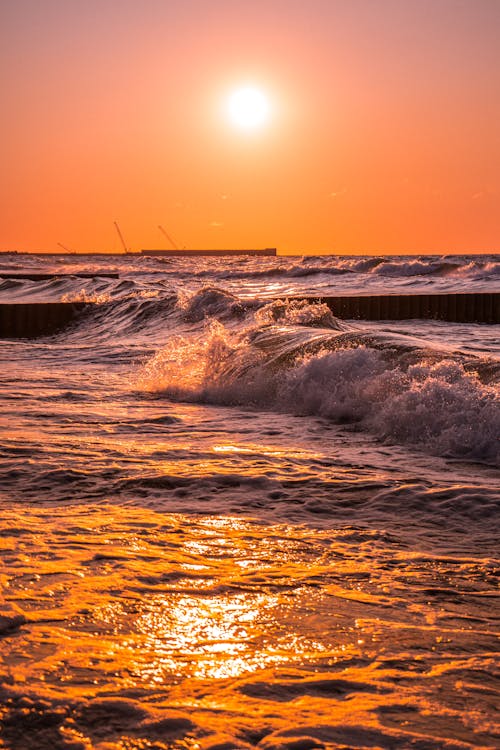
{"type": "Point", "coordinates": [384, 133]}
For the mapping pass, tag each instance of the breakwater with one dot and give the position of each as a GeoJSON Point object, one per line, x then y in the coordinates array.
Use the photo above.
{"type": "Point", "coordinates": [480, 307]}
{"type": "Point", "coordinates": [30, 320]}
{"type": "Point", "coordinates": [48, 276]}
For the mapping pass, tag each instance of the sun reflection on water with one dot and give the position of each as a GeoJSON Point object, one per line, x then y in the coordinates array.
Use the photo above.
{"type": "Point", "coordinates": [214, 637]}
{"type": "Point", "coordinates": [112, 607]}
{"type": "Point", "coordinates": [264, 450]}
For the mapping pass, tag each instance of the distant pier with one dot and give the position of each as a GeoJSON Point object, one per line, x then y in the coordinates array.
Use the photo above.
{"type": "Point", "coordinates": [33, 319]}
{"type": "Point", "coordinates": [267, 251]}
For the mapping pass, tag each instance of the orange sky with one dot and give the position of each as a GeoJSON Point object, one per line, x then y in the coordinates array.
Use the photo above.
{"type": "Point", "coordinates": [384, 133]}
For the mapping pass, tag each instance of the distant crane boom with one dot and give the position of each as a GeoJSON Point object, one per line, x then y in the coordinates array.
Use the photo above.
{"type": "Point", "coordinates": [169, 238]}
{"type": "Point", "coordinates": [65, 248]}
{"type": "Point", "coordinates": [120, 235]}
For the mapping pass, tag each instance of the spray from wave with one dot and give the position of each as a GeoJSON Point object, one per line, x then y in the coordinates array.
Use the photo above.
{"type": "Point", "coordinates": [300, 359]}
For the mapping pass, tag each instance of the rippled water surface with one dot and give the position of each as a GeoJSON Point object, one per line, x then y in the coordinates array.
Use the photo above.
{"type": "Point", "coordinates": [230, 520]}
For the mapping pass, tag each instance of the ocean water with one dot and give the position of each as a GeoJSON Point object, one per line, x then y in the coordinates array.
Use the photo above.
{"type": "Point", "coordinates": [230, 520]}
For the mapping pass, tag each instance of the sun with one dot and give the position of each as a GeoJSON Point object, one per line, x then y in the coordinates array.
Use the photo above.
{"type": "Point", "coordinates": [248, 108]}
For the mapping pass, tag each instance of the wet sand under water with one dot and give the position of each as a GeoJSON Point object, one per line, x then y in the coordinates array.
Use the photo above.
{"type": "Point", "coordinates": [127, 628]}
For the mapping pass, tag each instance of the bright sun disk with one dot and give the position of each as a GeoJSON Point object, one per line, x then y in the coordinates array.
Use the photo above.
{"type": "Point", "coordinates": [248, 108]}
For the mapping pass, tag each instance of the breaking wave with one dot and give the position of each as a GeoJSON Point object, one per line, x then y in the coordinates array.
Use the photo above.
{"type": "Point", "coordinates": [445, 404]}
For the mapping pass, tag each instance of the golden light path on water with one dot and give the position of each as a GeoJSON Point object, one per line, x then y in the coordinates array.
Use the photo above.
{"type": "Point", "coordinates": [197, 611]}
{"type": "Point", "coordinates": [221, 625]}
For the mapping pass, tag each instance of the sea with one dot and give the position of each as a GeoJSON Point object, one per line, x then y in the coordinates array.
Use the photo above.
{"type": "Point", "coordinates": [230, 520]}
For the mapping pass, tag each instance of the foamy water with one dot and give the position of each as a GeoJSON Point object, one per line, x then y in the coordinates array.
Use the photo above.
{"type": "Point", "coordinates": [233, 521]}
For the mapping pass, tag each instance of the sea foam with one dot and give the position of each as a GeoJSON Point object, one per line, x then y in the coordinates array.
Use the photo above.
{"type": "Point", "coordinates": [401, 394]}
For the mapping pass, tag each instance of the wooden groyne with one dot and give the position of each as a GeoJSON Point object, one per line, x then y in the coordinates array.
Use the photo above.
{"type": "Point", "coordinates": [28, 320]}
{"type": "Point", "coordinates": [33, 319]}
{"type": "Point", "coordinates": [49, 276]}
{"type": "Point", "coordinates": [478, 307]}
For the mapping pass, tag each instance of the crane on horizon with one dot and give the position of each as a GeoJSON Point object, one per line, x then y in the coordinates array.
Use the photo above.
{"type": "Point", "coordinates": [66, 249]}
{"type": "Point", "coordinates": [120, 235]}
{"type": "Point", "coordinates": [168, 237]}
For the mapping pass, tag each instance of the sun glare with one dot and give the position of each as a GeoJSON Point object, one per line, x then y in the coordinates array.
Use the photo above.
{"type": "Point", "coordinates": [248, 108]}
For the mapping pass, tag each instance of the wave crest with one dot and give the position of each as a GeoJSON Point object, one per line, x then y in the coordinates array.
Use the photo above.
{"type": "Point", "coordinates": [209, 302]}
{"type": "Point", "coordinates": [400, 394]}
{"type": "Point", "coordinates": [298, 312]}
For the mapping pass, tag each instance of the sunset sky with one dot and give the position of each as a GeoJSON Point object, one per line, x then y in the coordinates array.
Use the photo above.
{"type": "Point", "coordinates": [380, 130]}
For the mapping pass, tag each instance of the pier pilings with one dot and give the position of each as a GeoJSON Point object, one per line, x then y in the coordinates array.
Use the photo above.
{"type": "Point", "coordinates": [27, 276]}
{"type": "Point", "coordinates": [33, 319]}
{"type": "Point", "coordinates": [476, 307]}
{"type": "Point", "coordinates": [28, 320]}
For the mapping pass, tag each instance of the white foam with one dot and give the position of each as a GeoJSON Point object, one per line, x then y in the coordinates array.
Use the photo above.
{"type": "Point", "coordinates": [437, 403]}
{"type": "Point", "coordinates": [437, 406]}
{"type": "Point", "coordinates": [298, 313]}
